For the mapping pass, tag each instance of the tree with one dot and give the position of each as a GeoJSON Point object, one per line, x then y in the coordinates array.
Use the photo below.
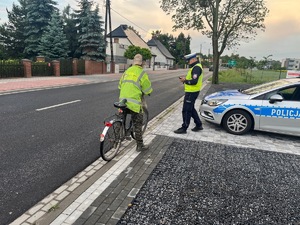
{"type": "Point", "coordinates": [266, 62]}
{"type": "Point", "coordinates": [132, 50]}
{"type": "Point", "coordinates": [178, 47]}
{"type": "Point", "coordinates": [276, 65]}
{"type": "Point", "coordinates": [54, 43]}
{"type": "Point", "coordinates": [38, 17]}
{"type": "Point", "coordinates": [2, 54]}
{"type": "Point", "coordinates": [182, 48]}
{"type": "Point", "coordinates": [4, 44]}
{"type": "Point", "coordinates": [242, 63]}
{"type": "Point", "coordinates": [226, 24]}
{"type": "Point", "coordinates": [70, 30]}
{"type": "Point", "coordinates": [81, 17]}
{"type": "Point", "coordinates": [167, 40]}
{"type": "Point", "coordinates": [252, 62]}
{"type": "Point", "coordinates": [12, 32]}
{"type": "Point", "coordinates": [91, 37]}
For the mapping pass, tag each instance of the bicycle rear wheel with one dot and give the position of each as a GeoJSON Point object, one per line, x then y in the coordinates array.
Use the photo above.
{"type": "Point", "coordinates": [110, 140]}
{"type": "Point", "coordinates": [145, 122]}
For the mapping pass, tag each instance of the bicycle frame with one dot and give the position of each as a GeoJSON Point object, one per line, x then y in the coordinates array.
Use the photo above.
{"type": "Point", "coordinates": [118, 128]}
{"type": "Point", "coordinates": [122, 117]}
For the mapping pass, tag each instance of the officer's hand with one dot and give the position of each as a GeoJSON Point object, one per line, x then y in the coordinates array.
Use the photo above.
{"type": "Point", "coordinates": [182, 79]}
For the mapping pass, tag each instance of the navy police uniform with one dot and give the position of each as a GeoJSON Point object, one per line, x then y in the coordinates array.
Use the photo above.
{"type": "Point", "coordinates": [192, 87]}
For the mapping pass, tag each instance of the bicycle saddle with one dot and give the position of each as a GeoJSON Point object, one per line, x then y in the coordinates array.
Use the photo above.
{"type": "Point", "coordinates": [121, 104]}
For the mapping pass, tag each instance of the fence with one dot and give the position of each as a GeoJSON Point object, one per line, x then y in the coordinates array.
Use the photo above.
{"type": "Point", "coordinates": [11, 69]}
{"type": "Point", "coordinates": [66, 67]}
{"type": "Point", "coordinates": [41, 69]}
{"type": "Point", "coordinates": [81, 67]}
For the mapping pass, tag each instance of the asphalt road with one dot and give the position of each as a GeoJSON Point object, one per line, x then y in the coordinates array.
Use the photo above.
{"type": "Point", "coordinates": [49, 136]}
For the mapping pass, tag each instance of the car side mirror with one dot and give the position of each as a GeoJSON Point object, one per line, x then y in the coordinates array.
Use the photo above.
{"type": "Point", "coordinates": [275, 98]}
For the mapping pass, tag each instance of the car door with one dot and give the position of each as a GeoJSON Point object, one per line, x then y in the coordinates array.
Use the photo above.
{"type": "Point", "coordinates": [281, 116]}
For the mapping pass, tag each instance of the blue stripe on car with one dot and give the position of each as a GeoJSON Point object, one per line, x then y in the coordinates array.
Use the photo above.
{"type": "Point", "coordinates": [290, 113]}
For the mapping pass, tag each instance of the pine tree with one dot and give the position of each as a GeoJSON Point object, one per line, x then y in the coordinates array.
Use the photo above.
{"type": "Point", "coordinates": [3, 46]}
{"type": "Point", "coordinates": [70, 30]}
{"type": "Point", "coordinates": [12, 32]}
{"type": "Point", "coordinates": [38, 17]}
{"type": "Point", "coordinates": [91, 37]}
{"type": "Point", "coordinates": [53, 42]}
{"type": "Point", "coordinates": [81, 15]}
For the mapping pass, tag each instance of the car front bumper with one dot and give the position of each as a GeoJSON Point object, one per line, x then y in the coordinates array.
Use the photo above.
{"type": "Point", "coordinates": [208, 114]}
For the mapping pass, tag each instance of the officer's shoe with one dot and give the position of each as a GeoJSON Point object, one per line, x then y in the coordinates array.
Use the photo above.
{"type": "Point", "coordinates": [181, 130]}
{"type": "Point", "coordinates": [195, 129]}
{"type": "Point", "coordinates": [141, 147]}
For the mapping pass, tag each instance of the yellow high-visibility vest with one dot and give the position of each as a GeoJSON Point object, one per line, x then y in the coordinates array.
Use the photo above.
{"type": "Point", "coordinates": [189, 76]}
{"type": "Point", "coordinates": [133, 84]}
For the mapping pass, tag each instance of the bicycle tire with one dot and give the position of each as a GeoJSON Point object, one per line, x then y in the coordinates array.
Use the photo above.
{"type": "Point", "coordinates": [110, 140]}
{"type": "Point", "coordinates": [145, 122]}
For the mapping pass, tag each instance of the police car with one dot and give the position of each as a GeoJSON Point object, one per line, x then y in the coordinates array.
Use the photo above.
{"type": "Point", "coordinates": [272, 107]}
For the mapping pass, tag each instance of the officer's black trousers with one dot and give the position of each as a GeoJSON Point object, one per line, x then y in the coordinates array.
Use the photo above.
{"type": "Point", "coordinates": [189, 111]}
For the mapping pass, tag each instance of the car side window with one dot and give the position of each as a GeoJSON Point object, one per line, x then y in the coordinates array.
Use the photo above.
{"type": "Point", "coordinates": [268, 95]}
{"type": "Point", "coordinates": [296, 95]}
{"type": "Point", "coordinates": [288, 94]}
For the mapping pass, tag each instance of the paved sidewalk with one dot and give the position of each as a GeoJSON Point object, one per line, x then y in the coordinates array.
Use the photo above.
{"type": "Point", "coordinates": [113, 193]}
{"type": "Point", "coordinates": [15, 85]}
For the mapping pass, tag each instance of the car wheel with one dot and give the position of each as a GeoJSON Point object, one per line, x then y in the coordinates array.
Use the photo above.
{"type": "Point", "coordinates": [237, 122]}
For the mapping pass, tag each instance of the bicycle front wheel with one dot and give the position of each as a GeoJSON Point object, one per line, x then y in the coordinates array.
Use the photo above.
{"type": "Point", "coordinates": [110, 140]}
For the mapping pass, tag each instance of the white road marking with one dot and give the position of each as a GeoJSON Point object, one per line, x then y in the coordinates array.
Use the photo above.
{"type": "Point", "coordinates": [53, 106]}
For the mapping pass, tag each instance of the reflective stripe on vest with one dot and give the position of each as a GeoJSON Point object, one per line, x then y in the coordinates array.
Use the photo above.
{"type": "Point", "coordinates": [131, 88]}
{"type": "Point", "coordinates": [131, 100]}
{"type": "Point", "coordinates": [137, 83]}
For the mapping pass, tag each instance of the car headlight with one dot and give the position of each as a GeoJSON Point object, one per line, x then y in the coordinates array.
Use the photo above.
{"type": "Point", "coordinates": [216, 102]}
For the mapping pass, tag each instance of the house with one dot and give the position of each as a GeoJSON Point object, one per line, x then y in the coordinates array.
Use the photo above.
{"type": "Point", "coordinates": [291, 64]}
{"type": "Point", "coordinates": [122, 37]}
{"type": "Point", "coordinates": [163, 58]}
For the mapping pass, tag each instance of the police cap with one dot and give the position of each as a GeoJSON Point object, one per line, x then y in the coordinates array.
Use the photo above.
{"type": "Point", "coordinates": [190, 56]}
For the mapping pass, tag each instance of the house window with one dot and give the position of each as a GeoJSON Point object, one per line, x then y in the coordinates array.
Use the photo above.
{"type": "Point", "coordinates": [116, 40]}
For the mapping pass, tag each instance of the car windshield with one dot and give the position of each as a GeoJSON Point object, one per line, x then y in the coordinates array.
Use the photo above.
{"type": "Point", "coordinates": [265, 87]}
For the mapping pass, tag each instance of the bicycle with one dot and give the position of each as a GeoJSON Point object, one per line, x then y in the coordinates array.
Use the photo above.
{"type": "Point", "coordinates": [118, 128]}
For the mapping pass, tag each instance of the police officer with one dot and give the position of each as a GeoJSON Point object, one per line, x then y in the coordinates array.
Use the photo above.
{"type": "Point", "coordinates": [192, 86]}
{"type": "Point", "coordinates": [133, 84]}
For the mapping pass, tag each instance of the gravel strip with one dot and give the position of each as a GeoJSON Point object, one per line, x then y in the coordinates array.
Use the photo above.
{"type": "Point", "coordinates": [208, 183]}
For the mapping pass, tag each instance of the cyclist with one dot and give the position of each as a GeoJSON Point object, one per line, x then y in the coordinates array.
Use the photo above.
{"type": "Point", "coordinates": [133, 85]}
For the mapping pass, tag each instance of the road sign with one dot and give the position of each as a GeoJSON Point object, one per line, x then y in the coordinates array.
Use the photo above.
{"type": "Point", "coordinates": [231, 63]}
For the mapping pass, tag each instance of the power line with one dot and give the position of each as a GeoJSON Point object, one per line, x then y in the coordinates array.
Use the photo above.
{"type": "Point", "coordinates": [129, 20]}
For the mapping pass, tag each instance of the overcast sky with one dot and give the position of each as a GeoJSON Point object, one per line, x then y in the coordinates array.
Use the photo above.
{"type": "Point", "coordinates": [281, 38]}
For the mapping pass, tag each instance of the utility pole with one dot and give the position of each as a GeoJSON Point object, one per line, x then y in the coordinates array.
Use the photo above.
{"type": "Point", "coordinates": [108, 17]}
